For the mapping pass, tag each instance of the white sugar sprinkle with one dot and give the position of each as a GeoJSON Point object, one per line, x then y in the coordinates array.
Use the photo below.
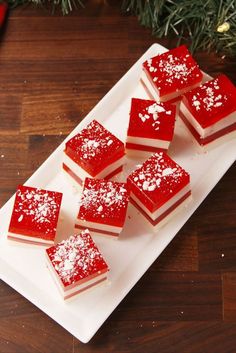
{"type": "Point", "coordinates": [20, 218]}
{"type": "Point", "coordinates": [109, 142]}
{"type": "Point", "coordinates": [145, 185]}
{"type": "Point", "coordinates": [100, 208]}
{"type": "Point", "coordinates": [168, 171]}
{"type": "Point", "coordinates": [151, 187]}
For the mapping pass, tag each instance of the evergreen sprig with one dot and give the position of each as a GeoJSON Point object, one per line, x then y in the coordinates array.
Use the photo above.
{"type": "Point", "coordinates": [203, 24]}
{"type": "Point", "coordinates": [66, 6]}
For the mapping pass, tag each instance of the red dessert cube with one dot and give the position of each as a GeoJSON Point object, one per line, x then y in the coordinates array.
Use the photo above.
{"type": "Point", "coordinates": [168, 75]}
{"type": "Point", "coordinates": [103, 207]}
{"type": "Point", "coordinates": [159, 188]}
{"type": "Point", "coordinates": [151, 126]}
{"type": "Point", "coordinates": [76, 264]}
{"type": "Point", "coordinates": [35, 215]}
{"type": "Point", "coordinates": [209, 111]}
{"type": "Point", "coordinates": [94, 152]}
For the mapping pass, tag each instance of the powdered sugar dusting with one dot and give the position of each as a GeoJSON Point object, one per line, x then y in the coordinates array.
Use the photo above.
{"type": "Point", "coordinates": [151, 119]}
{"type": "Point", "coordinates": [101, 198]}
{"type": "Point", "coordinates": [152, 112]}
{"type": "Point", "coordinates": [38, 207]}
{"type": "Point", "coordinates": [208, 96]}
{"type": "Point", "coordinates": [171, 67]}
{"type": "Point", "coordinates": [174, 68]}
{"type": "Point", "coordinates": [158, 173]}
{"type": "Point", "coordinates": [76, 258]}
{"type": "Point", "coordinates": [93, 142]}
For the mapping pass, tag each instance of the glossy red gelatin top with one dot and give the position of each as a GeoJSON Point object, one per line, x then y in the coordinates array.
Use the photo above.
{"type": "Point", "coordinates": [150, 119]}
{"type": "Point", "coordinates": [35, 212]}
{"type": "Point", "coordinates": [76, 259]}
{"type": "Point", "coordinates": [94, 148]}
{"type": "Point", "coordinates": [211, 101]}
{"type": "Point", "coordinates": [173, 71]}
{"type": "Point", "coordinates": [104, 202]}
{"type": "Point", "coordinates": [157, 180]}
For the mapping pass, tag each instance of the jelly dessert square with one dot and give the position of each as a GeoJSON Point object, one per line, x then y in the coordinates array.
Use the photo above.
{"type": "Point", "coordinates": [159, 188]}
{"type": "Point", "coordinates": [103, 207]}
{"type": "Point", "coordinates": [151, 127]}
{"type": "Point", "coordinates": [168, 75]}
{"type": "Point", "coordinates": [76, 264]}
{"type": "Point", "coordinates": [35, 215]}
{"type": "Point", "coordinates": [209, 111]}
{"type": "Point", "coordinates": [94, 152]}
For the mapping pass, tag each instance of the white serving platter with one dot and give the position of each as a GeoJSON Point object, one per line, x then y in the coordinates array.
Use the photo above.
{"type": "Point", "coordinates": [23, 267]}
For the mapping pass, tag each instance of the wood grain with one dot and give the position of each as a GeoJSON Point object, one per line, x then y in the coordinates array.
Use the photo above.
{"type": "Point", "coordinates": [53, 71]}
{"type": "Point", "coordinates": [229, 296]}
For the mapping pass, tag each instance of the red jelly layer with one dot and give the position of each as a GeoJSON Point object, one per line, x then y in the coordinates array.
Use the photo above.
{"type": "Point", "coordinates": [157, 181]}
{"type": "Point", "coordinates": [102, 232]}
{"type": "Point", "coordinates": [210, 138]}
{"type": "Point", "coordinates": [104, 202]}
{"type": "Point", "coordinates": [29, 240]}
{"type": "Point", "coordinates": [76, 260]}
{"type": "Point", "coordinates": [80, 182]}
{"type": "Point", "coordinates": [134, 146]}
{"type": "Point", "coordinates": [164, 214]}
{"type": "Point", "coordinates": [150, 119]}
{"type": "Point", "coordinates": [171, 101]}
{"type": "Point", "coordinates": [85, 288]}
{"type": "Point", "coordinates": [72, 174]}
{"type": "Point", "coordinates": [211, 101]}
{"type": "Point", "coordinates": [35, 212]}
{"type": "Point", "coordinates": [173, 71]}
{"type": "Point", "coordinates": [94, 148]}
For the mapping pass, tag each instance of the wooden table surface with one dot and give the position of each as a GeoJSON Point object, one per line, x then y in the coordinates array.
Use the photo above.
{"type": "Point", "coordinates": [53, 70]}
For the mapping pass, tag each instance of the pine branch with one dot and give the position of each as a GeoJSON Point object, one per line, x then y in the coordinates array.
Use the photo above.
{"type": "Point", "coordinates": [66, 6]}
{"type": "Point", "coordinates": [204, 24]}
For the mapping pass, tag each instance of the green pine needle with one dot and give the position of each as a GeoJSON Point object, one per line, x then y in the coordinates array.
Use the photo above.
{"type": "Point", "coordinates": [191, 21]}
{"type": "Point", "coordinates": [194, 22]}
{"type": "Point", "coordinates": [66, 6]}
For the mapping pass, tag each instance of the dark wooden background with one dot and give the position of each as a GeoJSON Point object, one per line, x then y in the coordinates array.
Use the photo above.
{"type": "Point", "coordinates": [53, 70]}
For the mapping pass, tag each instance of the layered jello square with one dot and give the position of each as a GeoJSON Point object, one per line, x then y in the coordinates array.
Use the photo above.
{"type": "Point", "coordinates": [209, 111]}
{"type": "Point", "coordinates": [159, 189]}
{"type": "Point", "coordinates": [94, 152]}
{"type": "Point", "coordinates": [103, 207]}
{"type": "Point", "coordinates": [35, 215]}
{"type": "Point", "coordinates": [167, 76]}
{"type": "Point", "coordinates": [151, 127]}
{"type": "Point", "coordinates": [76, 264]}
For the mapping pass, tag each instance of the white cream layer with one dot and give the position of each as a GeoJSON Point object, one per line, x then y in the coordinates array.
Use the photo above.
{"type": "Point", "coordinates": [99, 226]}
{"type": "Point", "coordinates": [215, 143]}
{"type": "Point", "coordinates": [221, 124]}
{"type": "Point", "coordinates": [76, 288]}
{"type": "Point", "coordinates": [148, 142]}
{"type": "Point", "coordinates": [154, 92]}
{"type": "Point", "coordinates": [164, 207]}
{"type": "Point", "coordinates": [166, 219]}
{"type": "Point", "coordinates": [82, 174]}
{"type": "Point", "coordinates": [151, 89]}
{"type": "Point", "coordinates": [30, 239]}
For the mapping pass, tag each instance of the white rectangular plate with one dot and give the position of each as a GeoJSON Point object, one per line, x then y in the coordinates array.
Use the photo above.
{"type": "Point", "coordinates": [23, 267]}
